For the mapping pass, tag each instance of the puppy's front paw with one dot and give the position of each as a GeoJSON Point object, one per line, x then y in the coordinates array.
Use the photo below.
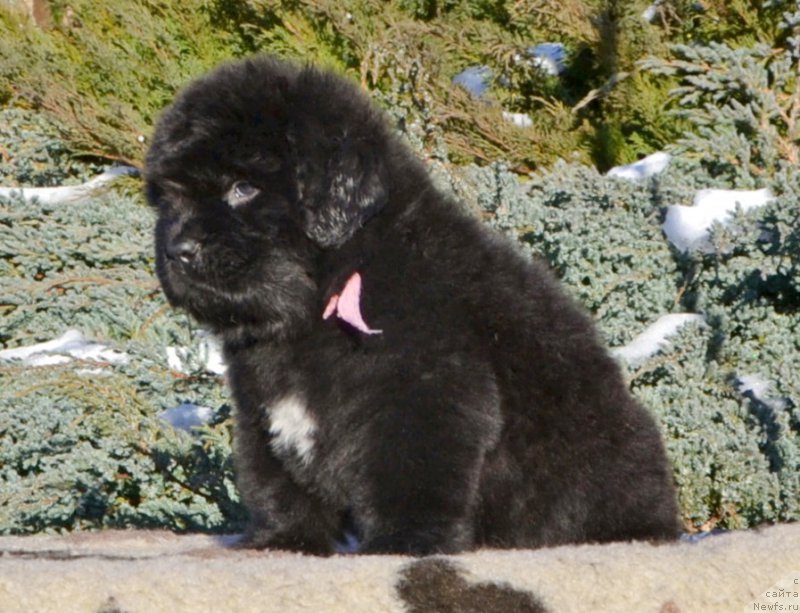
{"type": "Point", "coordinates": [420, 541]}
{"type": "Point", "coordinates": [309, 541]}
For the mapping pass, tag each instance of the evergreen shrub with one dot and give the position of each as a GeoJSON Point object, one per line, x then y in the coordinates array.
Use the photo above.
{"type": "Point", "coordinates": [103, 72]}
{"type": "Point", "coordinates": [81, 444]}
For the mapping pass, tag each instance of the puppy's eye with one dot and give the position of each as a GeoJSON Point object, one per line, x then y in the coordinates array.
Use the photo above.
{"type": "Point", "coordinates": [241, 193]}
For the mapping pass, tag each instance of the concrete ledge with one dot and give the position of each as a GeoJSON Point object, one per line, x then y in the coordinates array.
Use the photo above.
{"type": "Point", "coordinates": [129, 571]}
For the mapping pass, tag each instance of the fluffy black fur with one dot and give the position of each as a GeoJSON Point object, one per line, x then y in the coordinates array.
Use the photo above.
{"type": "Point", "coordinates": [487, 413]}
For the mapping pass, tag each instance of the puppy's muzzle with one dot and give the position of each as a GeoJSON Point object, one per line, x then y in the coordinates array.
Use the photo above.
{"type": "Point", "coordinates": [184, 250]}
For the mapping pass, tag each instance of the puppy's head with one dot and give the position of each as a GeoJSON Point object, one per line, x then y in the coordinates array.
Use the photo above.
{"type": "Point", "coordinates": [253, 170]}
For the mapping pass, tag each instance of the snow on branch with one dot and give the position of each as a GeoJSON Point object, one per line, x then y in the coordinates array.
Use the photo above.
{"type": "Point", "coordinates": [68, 193]}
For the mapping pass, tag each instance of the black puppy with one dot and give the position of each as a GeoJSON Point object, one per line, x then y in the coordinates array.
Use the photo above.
{"type": "Point", "coordinates": [398, 369]}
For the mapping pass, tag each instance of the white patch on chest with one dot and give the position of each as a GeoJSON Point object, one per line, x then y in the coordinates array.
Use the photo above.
{"type": "Point", "coordinates": [292, 427]}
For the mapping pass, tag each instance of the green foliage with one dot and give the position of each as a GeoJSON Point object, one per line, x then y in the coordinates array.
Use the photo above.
{"type": "Point", "coordinates": [742, 103]}
{"type": "Point", "coordinates": [743, 106]}
{"type": "Point", "coordinates": [39, 158]}
{"type": "Point", "coordinates": [725, 447]}
{"type": "Point", "coordinates": [104, 72]}
{"type": "Point", "coordinates": [80, 443]}
{"type": "Point", "coordinates": [83, 449]}
{"type": "Point", "coordinates": [738, 22]}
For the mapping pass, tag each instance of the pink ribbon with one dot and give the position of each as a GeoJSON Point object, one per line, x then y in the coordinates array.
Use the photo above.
{"type": "Point", "coordinates": [347, 306]}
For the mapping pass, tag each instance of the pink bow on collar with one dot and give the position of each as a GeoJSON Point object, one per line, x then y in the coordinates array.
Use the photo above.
{"type": "Point", "coordinates": [347, 306]}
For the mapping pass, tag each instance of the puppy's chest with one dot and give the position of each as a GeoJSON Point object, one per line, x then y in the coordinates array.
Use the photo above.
{"type": "Point", "coordinates": [302, 399]}
{"type": "Point", "coordinates": [293, 428]}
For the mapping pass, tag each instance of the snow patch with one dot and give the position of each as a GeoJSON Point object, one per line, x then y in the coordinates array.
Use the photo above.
{"type": "Point", "coordinates": [549, 57]}
{"type": "Point", "coordinates": [687, 227]}
{"type": "Point", "coordinates": [760, 389]}
{"type": "Point", "coordinates": [187, 416]}
{"type": "Point", "coordinates": [70, 345]}
{"type": "Point", "coordinates": [654, 338]}
{"type": "Point", "coordinates": [207, 357]}
{"type": "Point", "coordinates": [521, 120]}
{"type": "Point", "coordinates": [649, 14]}
{"type": "Point", "coordinates": [475, 79]}
{"type": "Point", "coordinates": [68, 193]}
{"type": "Point", "coordinates": [643, 169]}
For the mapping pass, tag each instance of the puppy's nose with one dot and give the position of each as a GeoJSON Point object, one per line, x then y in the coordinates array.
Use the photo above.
{"type": "Point", "coordinates": [184, 250]}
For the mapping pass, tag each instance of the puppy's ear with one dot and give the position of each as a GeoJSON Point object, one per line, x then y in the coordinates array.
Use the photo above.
{"type": "Point", "coordinates": [339, 188]}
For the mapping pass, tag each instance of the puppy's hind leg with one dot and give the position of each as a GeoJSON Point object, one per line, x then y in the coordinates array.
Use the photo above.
{"type": "Point", "coordinates": [424, 469]}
